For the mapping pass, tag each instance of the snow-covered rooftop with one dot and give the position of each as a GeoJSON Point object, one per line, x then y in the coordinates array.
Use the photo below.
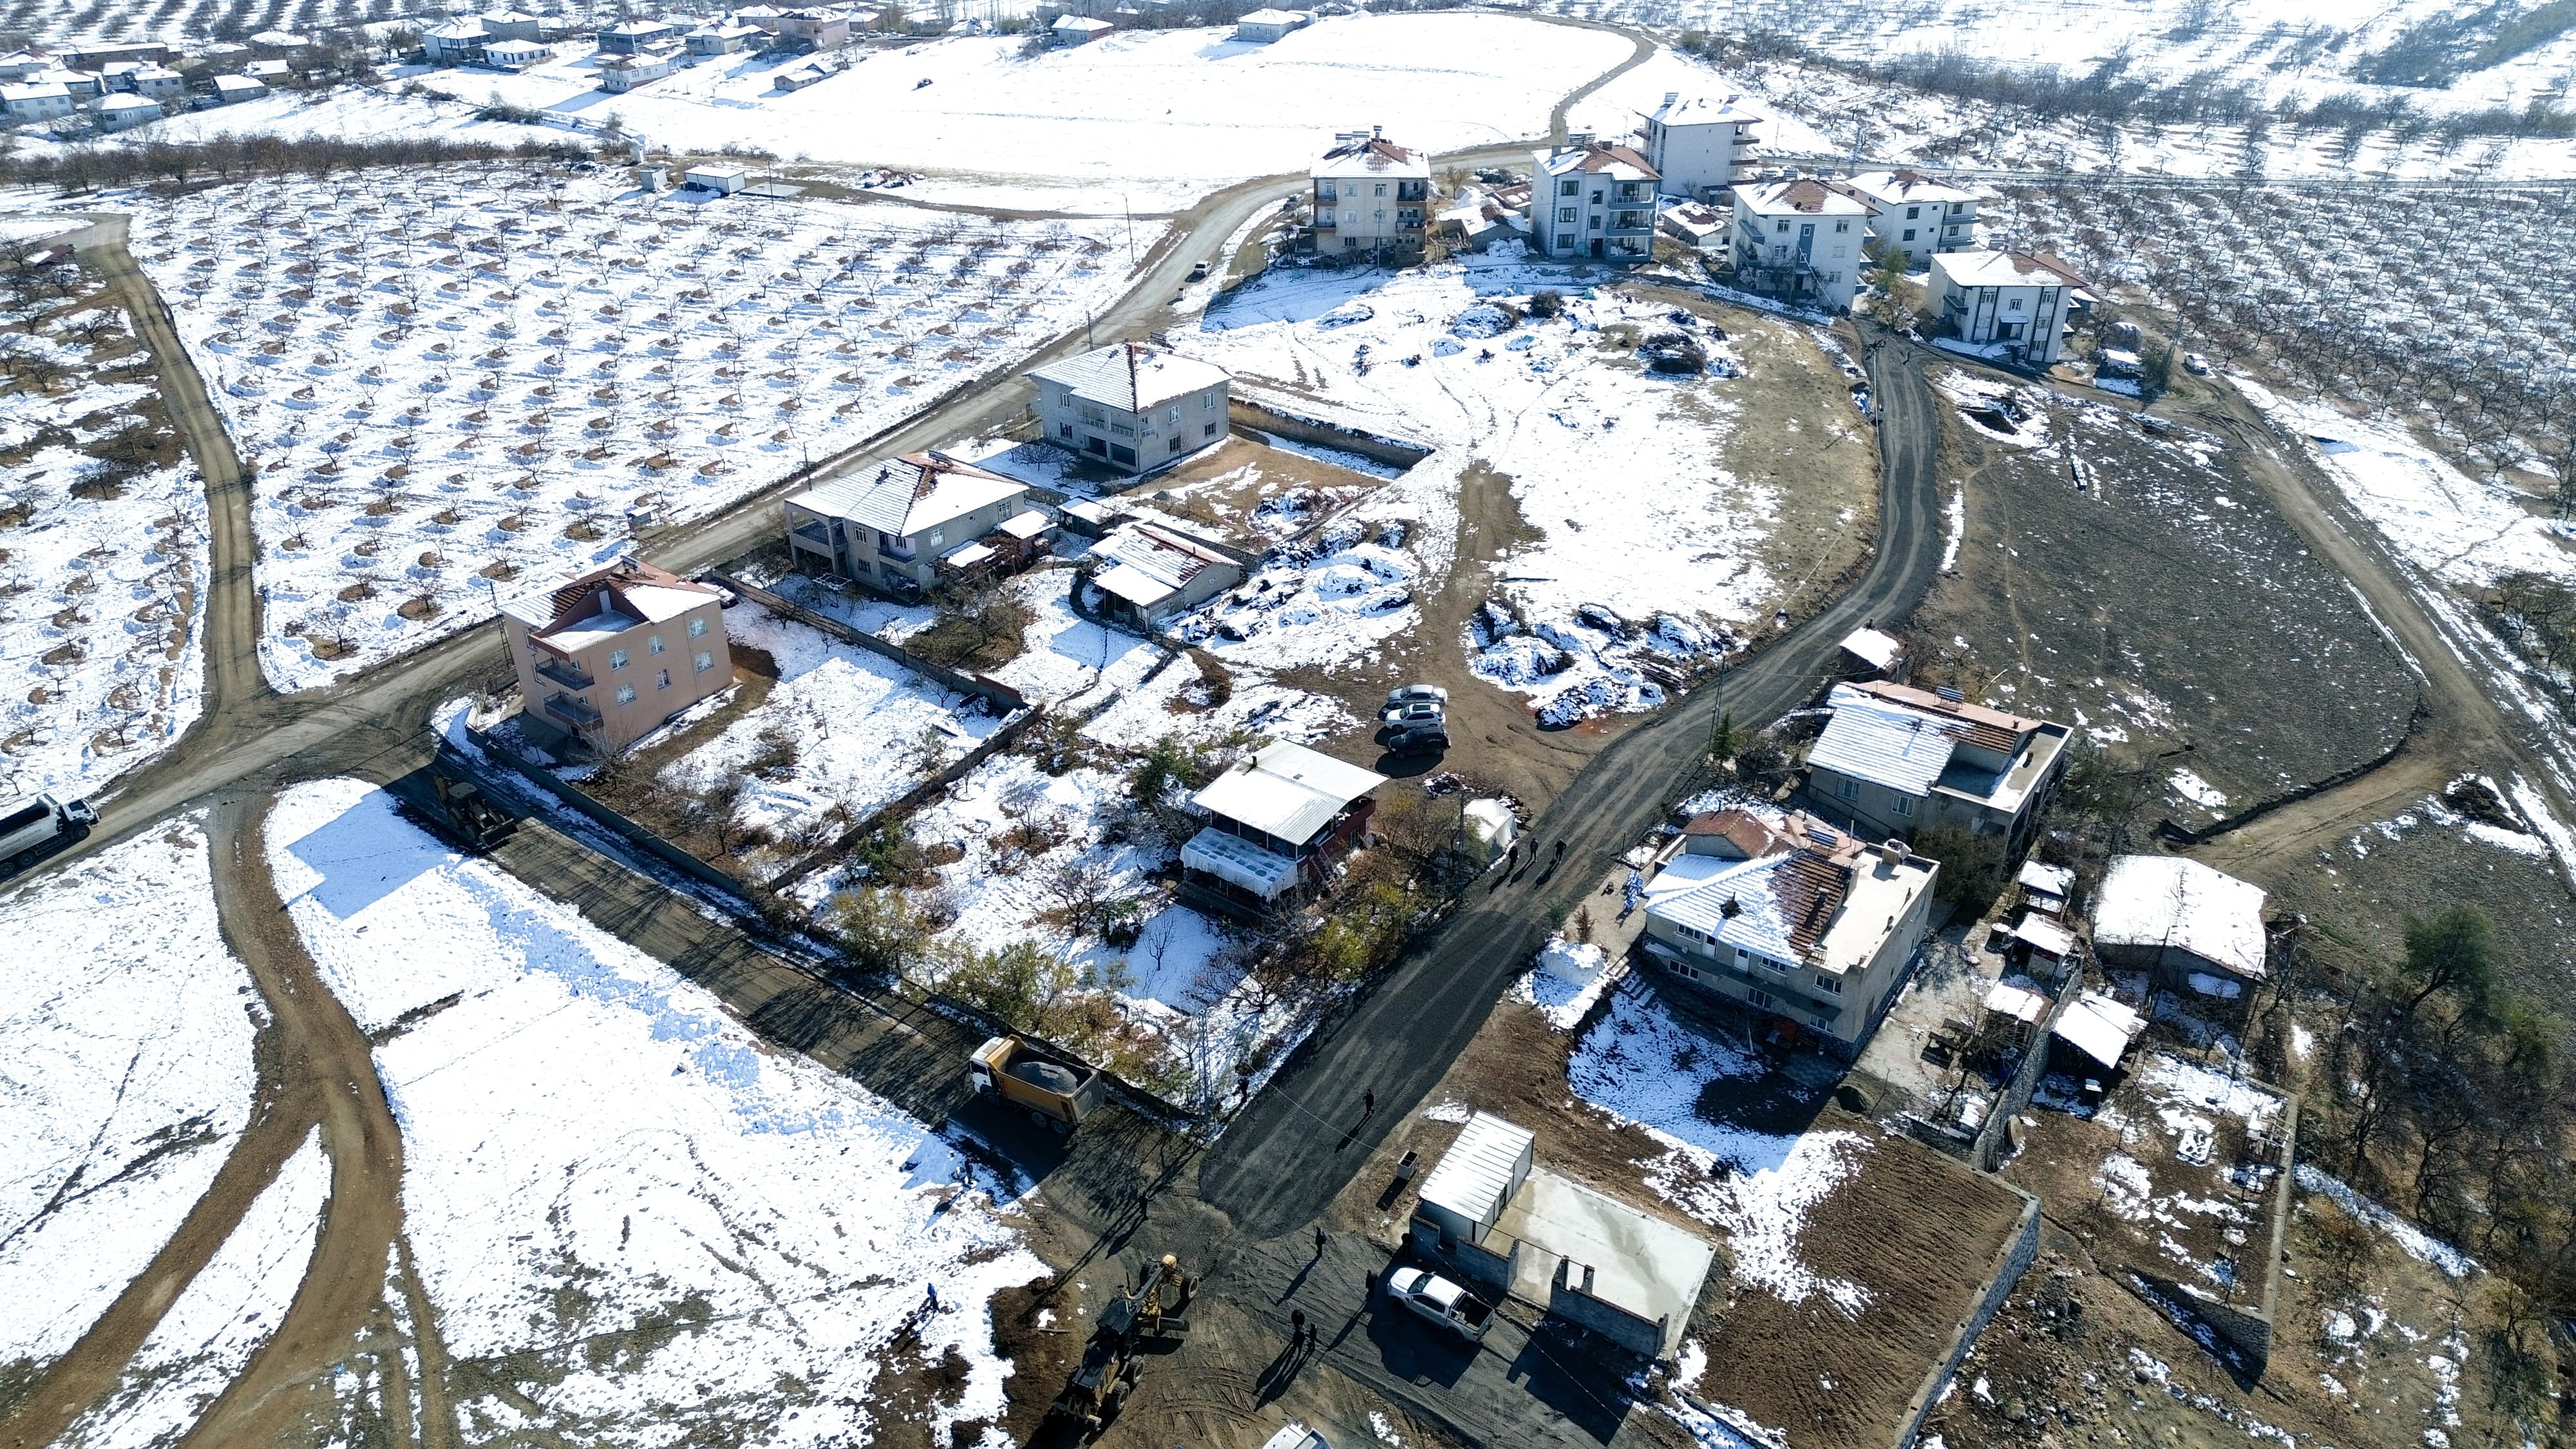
{"type": "Point", "coordinates": [1872, 648]}
{"type": "Point", "coordinates": [1148, 564]}
{"type": "Point", "coordinates": [606, 601]}
{"type": "Point", "coordinates": [2046, 880]}
{"type": "Point", "coordinates": [1810, 901]}
{"type": "Point", "coordinates": [2099, 1027]}
{"type": "Point", "coordinates": [908, 495]}
{"type": "Point", "coordinates": [1286, 791]}
{"type": "Point", "coordinates": [1620, 163]}
{"type": "Point", "coordinates": [2165, 901]}
{"type": "Point", "coordinates": [1475, 1176]}
{"type": "Point", "coordinates": [1902, 187]}
{"type": "Point", "coordinates": [1803, 197]}
{"type": "Point", "coordinates": [1679, 109]}
{"type": "Point", "coordinates": [2004, 269]}
{"type": "Point", "coordinates": [1234, 859]}
{"type": "Point", "coordinates": [1131, 377]}
{"type": "Point", "coordinates": [1365, 153]}
{"type": "Point", "coordinates": [1904, 739]}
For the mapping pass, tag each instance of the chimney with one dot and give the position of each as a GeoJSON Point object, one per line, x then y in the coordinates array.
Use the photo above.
{"type": "Point", "coordinates": [1376, 132]}
{"type": "Point", "coordinates": [1893, 851]}
{"type": "Point", "coordinates": [1730, 909]}
{"type": "Point", "coordinates": [1671, 96]}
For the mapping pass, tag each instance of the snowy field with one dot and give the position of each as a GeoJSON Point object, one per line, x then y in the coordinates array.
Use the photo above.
{"type": "Point", "coordinates": [229, 1309]}
{"type": "Point", "coordinates": [1149, 119]}
{"type": "Point", "coordinates": [449, 379]}
{"type": "Point", "coordinates": [1640, 1065]}
{"type": "Point", "coordinates": [596, 1155]}
{"type": "Point", "coordinates": [125, 1076]}
{"type": "Point", "coordinates": [101, 547]}
{"type": "Point", "coordinates": [1645, 547]}
{"type": "Point", "coordinates": [843, 732]}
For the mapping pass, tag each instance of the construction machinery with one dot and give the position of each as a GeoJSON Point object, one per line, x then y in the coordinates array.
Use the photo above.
{"type": "Point", "coordinates": [1053, 1089]}
{"type": "Point", "coordinates": [467, 816]}
{"type": "Point", "coordinates": [1125, 1326]}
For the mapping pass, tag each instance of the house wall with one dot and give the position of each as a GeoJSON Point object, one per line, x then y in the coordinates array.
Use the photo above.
{"type": "Point", "coordinates": [1150, 440]}
{"type": "Point", "coordinates": [623, 721]}
{"type": "Point", "coordinates": [1936, 227]}
{"type": "Point", "coordinates": [851, 550]}
{"type": "Point", "coordinates": [1569, 1298]}
{"type": "Point", "coordinates": [1619, 215]}
{"type": "Point", "coordinates": [1367, 213]}
{"type": "Point", "coordinates": [1695, 157]}
{"type": "Point", "coordinates": [2033, 316]}
{"type": "Point", "coordinates": [1832, 249]}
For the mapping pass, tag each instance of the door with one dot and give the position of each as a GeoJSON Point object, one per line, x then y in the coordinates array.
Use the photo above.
{"type": "Point", "coordinates": [1806, 241]}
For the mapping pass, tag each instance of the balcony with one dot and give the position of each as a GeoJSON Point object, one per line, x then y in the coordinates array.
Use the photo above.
{"type": "Point", "coordinates": [572, 712]}
{"type": "Point", "coordinates": [565, 672]}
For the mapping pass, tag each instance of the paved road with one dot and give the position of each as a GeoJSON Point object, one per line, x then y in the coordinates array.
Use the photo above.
{"type": "Point", "coordinates": [1277, 1166]}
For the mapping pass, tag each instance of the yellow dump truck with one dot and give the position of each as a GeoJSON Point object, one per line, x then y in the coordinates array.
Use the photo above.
{"type": "Point", "coordinates": [1055, 1091]}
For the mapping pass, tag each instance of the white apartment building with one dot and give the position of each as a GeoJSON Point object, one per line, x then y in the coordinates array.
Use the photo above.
{"type": "Point", "coordinates": [1800, 242]}
{"type": "Point", "coordinates": [1130, 407]}
{"type": "Point", "coordinates": [1700, 145]}
{"type": "Point", "coordinates": [1592, 201]}
{"type": "Point", "coordinates": [2017, 300]}
{"type": "Point", "coordinates": [1370, 194]}
{"type": "Point", "coordinates": [1910, 212]}
{"type": "Point", "coordinates": [36, 101]}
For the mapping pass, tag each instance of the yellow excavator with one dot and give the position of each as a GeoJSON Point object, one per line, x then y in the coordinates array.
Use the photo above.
{"type": "Point", "coordinates": [1125, 1325]}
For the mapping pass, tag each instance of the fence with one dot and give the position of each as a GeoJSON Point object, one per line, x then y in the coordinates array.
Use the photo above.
{"type": "Point", "coordinates": [962, 681]}
{"type": "Point", "coordinates": [634, 834]}
{"type": "Point", "coordinates": [1260, 417]}
{"type": "Point", "coordinates": [2017, 1253]}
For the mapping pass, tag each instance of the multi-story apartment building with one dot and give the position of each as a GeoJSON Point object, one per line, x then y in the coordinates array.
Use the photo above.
{"type": "Point", "coordinates": [1592, 201]}
{"type": "Point", "coordinates": [1911, 213]}
{"type": "Point", "coordinates": [1130, 407]}
{"type": "Point", "coordinates": [1799, 241]}
{"type": "Point", "coordinates": [1896, 760]}
{"type": "Point", "coordinates": [605, 658]}
{"type": "Point", "coordinates": [1699, 145]}
{"type": "Point", "coordinates": [892, 525]}
{"type": "Point", "coordinates": [2016, 300]}
{"type": "Point", "coordinates": [1370, 195]}
{"type": "Point", "coordinates": [1803, 923]}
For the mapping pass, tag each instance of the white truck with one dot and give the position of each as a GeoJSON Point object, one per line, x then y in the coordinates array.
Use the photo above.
{"type": "Point", "coordinates": [32, 826]}
{"type": "Point", "coordinates": [1441, 1301]}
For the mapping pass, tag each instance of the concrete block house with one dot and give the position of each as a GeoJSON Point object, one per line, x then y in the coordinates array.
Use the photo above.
{"type": "Point", "coordinates": [894, 525]}
{"type": "Point", "coordinates": [1370, 196]}
{"type": "Point", "coordinates": [1593, 201]}
{"type": "Point", "coordinates": [605, 658]}
{"type": "Point", "coordinates": [1278, 824]}
{"type": "Point", "coordinates": [1894, 760]}
{"type": "Point", "coordinates": [1132, 408]}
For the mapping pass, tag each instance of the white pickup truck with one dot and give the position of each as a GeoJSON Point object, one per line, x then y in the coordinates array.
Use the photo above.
{"type": "Point", "coordinates": [1441, 1301]}
{"type": "Point", "coordinates": [31, 827]}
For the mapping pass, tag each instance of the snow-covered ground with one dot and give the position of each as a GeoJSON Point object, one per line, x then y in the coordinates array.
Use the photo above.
{"type": "Point", "coordinates": [229, 1309]}
{"type": "Point", "coordinates": [860, 729]}
{"type": "Point", "coordinates": [1644, 546]}
{"type": "Point", "coordinates": [1640, 1065]}
{"type": "Point", "coordinates": [596, 1153]}
{"type": "Point", "coordinates": [454, 378]}
{"type": "Point", "coordinates": [125, 1076]}
{"type": "Point", "coordinates": [1145, 119]}
{"type": "Point", "coordinates": [99, 644]}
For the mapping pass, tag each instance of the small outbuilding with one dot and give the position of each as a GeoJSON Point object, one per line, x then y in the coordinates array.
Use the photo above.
{"type": "Point", "coordinates": [1078, 29]}
{"type": "Point", "coordinates": [2095, 1032]}
{"type": "Point", "coordinates": [124, 112]}
{"type": "Point", "coordinates": [1264, 26]}
{"type": "Point", "coordinates": [234, 89]}
{"type": "Point", "coordinates": [1879, 655]}
{"type": "Point", "coordinates": [722, 180]}
{"type": "Point", "coordinates": [1146, 573]}
{"type": "Point", "coordinates": [2188, 926]}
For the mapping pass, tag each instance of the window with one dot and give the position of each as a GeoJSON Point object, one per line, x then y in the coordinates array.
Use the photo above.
{"type": "Point", "coordinates": [1847, 789]}
{"type": "Point", "coordinates": [1684, 972]}
{"type": "Point", "coordinates": [1565, 243]}
{"type": "Point", "coordinates": [1565, 214]}
{"type": "Point", "coordinates": [706, 661]}
{"type": "Point", "coordinates": [626, 694]}
{"type": "Point", "coordinates": [1596, 196]}
{"type": "Point", "coordinates": [1844, 226]}
{"type": "Point", "coordinates": [1596, 223]}
{"type": "Point", "coordinates": [1207, 404]}
{"type": "Point", "coordinates": [1830, 985]}
{"type": "Point", "coordinates": [1758, 998]}
{"type": "Point", "coordinates": [1909, 233]}
{"type": "Point", "coordinates": [697, 627]}
{"type": "Point", "coordinates": [1094, 417]}
{"type": "Point", "coordinates": [1569, 188]}
{"type": "Point", "coordinates": [661, 679]}
{"type": "Point", "coordinates": [1904, 805]}
{"type": "Point", "coordinates": [1823, 1023]}
{"type": "Point", "coordinates": [1064, 430]}
{"type": "Point", "coordinates": [653, 645]}
{"type": "Point", "coordinates": [2016, 304]}
{"type": "Point", "coordinates": [1172, 414]}
{"type": "Point", "coordinates": [938, 536]}
{"type": "Point", "coordinates": [616, 658]}
{"type": "Point", "coordinates": [1913, 213]}
{"type": "Point", "coordinates": [1381, 189]}
{"type": "Point", "coordinates": [1350, 218]}
{"type": "Point", "coordinates": [1782, 228]}
{"type": "Point", "coordinates": [1207, 430]}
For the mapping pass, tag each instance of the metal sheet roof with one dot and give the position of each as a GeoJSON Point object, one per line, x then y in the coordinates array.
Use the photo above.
{"type": "Point", "coordinates": [1474, 1177]}
{"type": "Point", "coordinates": [907, 495]}
{"type": "Point", "coordinates": [2099, 1027]}
{"type": "Point", "coordinates": [1129, 376]}
{"type": "Point", "coordinates": [1884, 743]}
{"type": "Point", "coordinates": [1232, 858]}
{"type": "Point", "coordinates": [1287, 791]}
{"type": "Point", "coordinates": [2165, 901]}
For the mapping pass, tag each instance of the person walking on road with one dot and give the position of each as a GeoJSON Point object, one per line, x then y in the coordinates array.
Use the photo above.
{"type": "Point", "coordinates": [1560, 847]}
{"type": "Point", "coordinates": [1319, 1240]}
{"type": "Point", "coordinates": [1368, 1102]}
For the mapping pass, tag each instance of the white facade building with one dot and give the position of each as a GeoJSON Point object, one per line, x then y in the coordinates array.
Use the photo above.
{"type": "Point", "coordinates": [1592, 201]}
{"type": "Point", "coordinates": [1700, 145]}
{"type": "Point", "coordinates": [1130, 407]}
{"type": "Point", "coordinates": [1799, 241]}
{"type": "Point", "coordinates": [234, 89]}
{"type": "Point", "coordinates": [1914, 214]}
{"type": "Point", "coordinates": [122, 112]}
{"type": "Point", "coordinates": [2017, 301]}
{"type": "Point", "coordinates": [458, 42]}
{"type": "Point", "coordinates": [36, 101]}
{"type": "Point", "coordinates": [1370, 194]}
{"type": "Point", "coordinates": [1264, 26]}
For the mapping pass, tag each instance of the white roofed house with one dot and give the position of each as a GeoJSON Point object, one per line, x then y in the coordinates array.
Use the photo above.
{"type": "Point", "coordinates": [723, 37]}
{"type": "Point", "coordinates": [2190, 927]}
{"type": "Point", "coordinates": [1701, 145]}
{"type": "Point", "coordinates": [158, 83]}
{"type": "Point", "coordinates": [2014, 304]}
{"type": "Point", "coordinates": [895, 523]}
{"type": "Point", "coordinates": [1260, 27]}
{"type": "Point", "coordinates": [1078, 29]}
{"type": "Point", "coordinates": [622, 73]}
{"type": "Point", "coordinates": [1146, 573]}
{"type": "Point", "coordinates": [1278, 824]}
{"type": "Point", "coordinates": [1802, 923]}
{"type": "Point", "coordinates": [18, 65]}
{"type": "Point", "coordinates": [458, 42]}
{"type": "Point", "coordinates": [633, 37]}
{"type": "Point", "coordinates": [121, 112]}
{"type": "Point", "coordinates": [1592, 201]}
{"type": "Point", "coordinates": [234, 89]}
{"type": "Point", "coordinates": [30, 101]}
{"type": "Point", "coordinates": [1130, 407]}
{"type": "Point", "coordinates": [1370, 195]}
{"type": "Point", "coordinates": [1913, 214]}
{"type": "Point", "coordinates": [515, 54]}
{"type": "Point", "coordinates": [1895, 760]}
{"type": "Point", "coordinates": [513, 25]}
{"type": "Point", "coordinates": [1799, 242]}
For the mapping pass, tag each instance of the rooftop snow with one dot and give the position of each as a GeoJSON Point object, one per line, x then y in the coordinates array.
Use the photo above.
{"type": "Point", "coordinates": [908, 495]}
{"type": "Point", "coordinates": [1286, 791]}
{"type": "Point", "coordinates": [2004, 269]}
{"type": "Point", "coordinates": [2162, 901]}
{"type": "Point", "coordinates": [1131, 377]}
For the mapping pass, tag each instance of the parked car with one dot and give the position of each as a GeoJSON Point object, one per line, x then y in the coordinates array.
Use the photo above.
{"type": "Point", "coordinates": [1420, 711]}
{"type": "Point", "coordinates": [1416, 693]}
{"type": "Point", "coordinates": [1198, 272]}
{"type": "Point", "coordinates": [1407, 739]}
{"type": "Point", "coordinates": [30, 828]}
{"type": "Point", "coordinates": [1441, 1301]}
{"type": "Point", "coordinates": [2195, 364]}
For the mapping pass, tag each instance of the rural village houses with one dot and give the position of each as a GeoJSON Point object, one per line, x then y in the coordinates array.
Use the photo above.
{"type": "Point", "coordinates": [1700, 146]}
{"type": "Point", "coordinates": [1912, 214]}
{"type": "Point", "coordinates": [1130, 407]}
{"type": "Point", "coordinates": [2188, 926]}
{"type": "Point", "coordinates": [1370, 195]}
{"type": "Point", "coordinates": [896, 525]}
{"type": "Point", "coordinates": [604, 659]}
{"type": "Point", "coordinates": [1894, 760]}
{"type": "Point", "coordinates": [1278, 823]}
{"type": "Point", "coordinates": [1594, 201]}
{"type": "Point", "coordinates": [1803, 923]}
{"type": "Point", "coordinates": [1799, 242]}
{"type": "Point", "coordinates": [1146, 573]}
{"type": "Point", "coordinates": [2016, 302]}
